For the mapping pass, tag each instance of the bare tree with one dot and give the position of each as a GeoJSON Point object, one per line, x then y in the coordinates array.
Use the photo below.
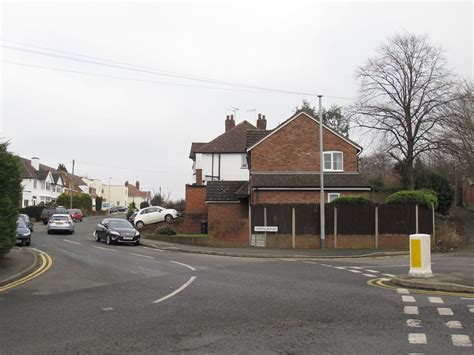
{"type": "Point", "coordinates": [403, 90]}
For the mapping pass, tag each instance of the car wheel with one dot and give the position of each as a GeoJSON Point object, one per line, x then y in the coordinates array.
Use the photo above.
{"type": "Point", "coordinates": [28, 243]}
{"type": "Point", "coordinates": [109, 241]}
{"type": "Point", "coordinates": [45, 222]}
{"type": "Point", "coordinates": [97, 238]}
{"type": "Point", "coordinates": [137, 243]}
{"type": "Point", "coordinates": [140, 225]}
{"type": "Point", "coordinates": [49, 232]}
{"type": "Point", "coordinates": [168, 218]}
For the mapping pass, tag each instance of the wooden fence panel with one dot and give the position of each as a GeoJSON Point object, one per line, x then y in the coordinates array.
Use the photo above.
{"type": "Point", "coordinates": [280, 215]}
{"type": "Point", "coordinates": [396, 219]}
{"type": "Point", "coordinates": [425, 220]}
{"type": "Point", "coordinates": [329, 220]}
{"type": "Point", "coordinates": [307, 219]}
{"type": "Point", "coordinates": [257, 216]}
{"type": "Point", "coordinates": [355, 219]}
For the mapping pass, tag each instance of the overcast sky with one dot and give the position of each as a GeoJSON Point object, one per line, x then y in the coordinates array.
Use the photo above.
{"type": "Point", "coordinates": [129, 129]}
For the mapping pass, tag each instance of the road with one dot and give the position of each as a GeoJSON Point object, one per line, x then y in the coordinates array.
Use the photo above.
{"type": "Point", "coordinates": [108, 299]}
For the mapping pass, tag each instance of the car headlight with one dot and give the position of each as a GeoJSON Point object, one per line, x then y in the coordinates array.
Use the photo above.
{"type": "Point", "coordinates": [137, 233]}
{"type": "Point", "coordinates": [27, 234]}
{"type": "Point", "coordinates": [115, 233]}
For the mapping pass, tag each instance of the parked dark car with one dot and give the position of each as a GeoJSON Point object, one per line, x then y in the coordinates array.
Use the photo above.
{"type": "Point", "coordinates": [23, 233]}
{"type": "Point", "coordinates": [49, 211]}
{"type": "Point", "coordinates": [117, 209]}
{"type": "Point", "coordinates": [27, 220]}
{"type": "Point", "coordinates": [131, 218]}
{"type": "Point", "coordinates": [76, 214]}
{"type": "Point", "coordinates": [116, 230]}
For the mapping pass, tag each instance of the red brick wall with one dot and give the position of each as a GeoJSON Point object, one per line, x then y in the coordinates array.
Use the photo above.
{"type": "Point", "coordinates": [297, 196]}
{"type": "Point", "coordinates": [229, 222]}
{"type": "Point", "coordinates": [195, 199]}
{"type": "Point", "coordinates": [295, 147]}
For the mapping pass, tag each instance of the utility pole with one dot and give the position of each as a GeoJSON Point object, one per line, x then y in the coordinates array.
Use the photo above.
{"type": "Point", "coordinates": [321, 174]}
{"type": "Point", "coordinates": [72, 183]}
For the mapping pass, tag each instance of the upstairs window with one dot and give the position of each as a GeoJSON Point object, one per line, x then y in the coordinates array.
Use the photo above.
{"type": "Point", "coordinates": [333, 161]}
{"type": "Point", "coordinates": [244, 164]}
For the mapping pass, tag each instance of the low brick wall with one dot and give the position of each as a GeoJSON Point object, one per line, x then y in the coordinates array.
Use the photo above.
{"type": "Point", "coordinates": [199, 241]}
{"type": "Point", "coordinates": [394, 241]}
{"type": "Point", "coordinates": [229, 223]}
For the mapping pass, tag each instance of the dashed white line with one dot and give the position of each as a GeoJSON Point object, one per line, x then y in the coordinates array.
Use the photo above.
{"type": "Point", "coordinates": [143, 256]}
{"type": "Point", "coordinates": [326, 265]}
{"type": "Point", "coordinates": [355, 271]}
{"type": "Point", "coordinates": [389, 275]}
{"type": "Point", "coordinates": [356, 267]}
{"type": "Point", "coordinates": [408, 298]}
{"type": "Point", "coordinates": [155, 249]}
{"type": "Point", "coordinates": [461, 340]}
{"type": "Point", "coordinates": [375, 271]}
{"type": "Point", "coordinates": [70, 241]}
{"type": "Point", "coordinates": [417, 338]}
{"type": "Point", "coordinates": [454, 324]}
{"type": "Point", "coordinates": [189, 267]}
{"type": "Point", "coordinates": [310, 262]}
{"type": "Point", "coordinates": [340, 267]}
{"type": "Point", "coordinates": [445, 311]}
{"type": "Point", "coordinates": [108, 309]}
{"type": "Point", "coordinates": [435, 299]}
{"type": "Point", "coordinates": [403, 291]}
{"type": "Point", "coordinates": [410, 310]}
{"type": "Point", "coordinates": [189, 282]}
{"type": "Point", "coordinates": [109, 249]}
{"type": "Point", "coordinates": [414, 323]}
{"type": "Point", "coordinates": [369, 275]}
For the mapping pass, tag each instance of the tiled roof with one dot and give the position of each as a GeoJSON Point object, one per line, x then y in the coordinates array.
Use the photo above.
{"type": "Point", "coordinates": [342, 180]}
{"type": "Point", "coordinates": [232, 141]}
{"type": "Point", "coordinates": [254, 136]}
{"type": "Point", "coordinates": [243, 191]}
{"type": "Point", "coordinates": [223, 191]}
{"type": "Point", "coordinates": [134, 192]}
{"type": "Point", "coordinates": [28, 172]}
{"type": "Point", "coordinates": [195, 146]}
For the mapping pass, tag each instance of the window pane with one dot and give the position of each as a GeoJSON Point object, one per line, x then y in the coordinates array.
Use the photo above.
{"type": "Point", "coordinates": [332, 197]}
{"type": "Point", "coordinates": [327, 161]}
{"type": "Point", "coordinates": [337, 161]}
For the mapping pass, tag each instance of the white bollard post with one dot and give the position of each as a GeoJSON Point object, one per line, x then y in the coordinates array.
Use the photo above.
{"type": "Point", "coordinates": [420, 256]}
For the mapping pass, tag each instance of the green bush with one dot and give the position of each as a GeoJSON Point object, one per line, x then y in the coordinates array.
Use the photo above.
{"type": "Point", "coordinates": [352, 199]}
{"type": "Point", "coordinates": [10, 190]}
{"type": "Point", "coordinates": [98, 203]}
{"type": "Point", "coordinates": [79, 200]}
{"type": "Point", "coordinates": [33, 211]}
{"type": "Point", "coordinates": [144, 204]}
{"type": "Point", "coordinates": [166, 230]}
{"type": "Point", "coordinates": [420, 197]}
{"type": "Point", "coordinates": [441, 187]}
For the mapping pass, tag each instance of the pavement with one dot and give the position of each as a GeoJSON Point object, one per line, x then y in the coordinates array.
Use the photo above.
{"type": "Point", "coordinates": [18, 263]}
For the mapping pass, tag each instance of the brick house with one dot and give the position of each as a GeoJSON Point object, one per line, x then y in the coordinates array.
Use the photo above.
{"type": "Point", "coordinates": [284, 168]}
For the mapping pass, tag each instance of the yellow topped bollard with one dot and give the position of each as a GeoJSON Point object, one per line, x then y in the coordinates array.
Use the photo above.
{"type": "Point", "coordinates": [420, 256]}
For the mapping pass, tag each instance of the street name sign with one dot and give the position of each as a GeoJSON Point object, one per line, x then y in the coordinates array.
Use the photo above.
{"type": "Point", "coordinates": [273, 229]}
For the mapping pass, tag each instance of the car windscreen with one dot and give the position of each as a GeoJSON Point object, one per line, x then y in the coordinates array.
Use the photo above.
{"type": "Point", "coordinates": [20, 223]}
{"type": "Point", "coordinates": [119, 224]}
{"type": "Point", "coordinates": [60, 218]}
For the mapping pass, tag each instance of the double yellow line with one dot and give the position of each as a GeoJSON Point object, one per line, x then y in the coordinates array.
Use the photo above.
{"type": "Point", "coordinates": [46, 263]}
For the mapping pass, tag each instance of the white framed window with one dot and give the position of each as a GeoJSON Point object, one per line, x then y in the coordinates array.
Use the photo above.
{"type": "Point", "coordinates": [35, 183]}
{"type": "Point", "coordinates": [333, 161]}
{"type": "Point", "coordinates": [244, 164]}
{"type": "Point", "coordinates": [332, 196]}
{"type": "Point", "coordinates": [43, 185]}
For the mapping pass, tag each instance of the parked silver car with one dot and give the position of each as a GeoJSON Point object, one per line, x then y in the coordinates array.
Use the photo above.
{"type": "Point", "coordinates": [60, 223]}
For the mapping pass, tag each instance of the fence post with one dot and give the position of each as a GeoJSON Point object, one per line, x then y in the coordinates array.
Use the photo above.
{"type": "Point", "coordinates": [250, 224]}
{"type": "Point", "coordinates": [434, 226]}
{"type": "Point", "coordinates": [335, 227]}
{"type": "Point", "coordinates": [416, 219]}
{"type": "Point", "coordinates": [265, 223]}
{"type": "Point", "coordinates": [293, 228]}
{"type": "Point", "coordinates": [376, 227]}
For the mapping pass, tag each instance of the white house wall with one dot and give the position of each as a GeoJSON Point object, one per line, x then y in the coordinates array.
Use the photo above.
{"type": "Point", "coordinates": [118, 194]}
{"type": "Point", "coordinates": [45, 191]}
{"type": "Point", "coordinates": [230, 167]}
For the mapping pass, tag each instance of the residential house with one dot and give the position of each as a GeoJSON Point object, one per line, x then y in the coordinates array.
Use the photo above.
{"type": "Point", "coordinates": [74, 183]}
{"type": "Point", "coordinates": [137, 196]}
{"type": "Point", "coordinates": [40, 183]}
{"type": "Point", "coordinates": [283, 165]}
{"type": "Point", "coordinates": [116, 194]}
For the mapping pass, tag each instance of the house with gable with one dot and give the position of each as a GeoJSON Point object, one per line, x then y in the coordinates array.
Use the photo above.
{"type": "Point", "coordinates": [135, 195]}
{"type": "Point", "coordinates": [283, 167]}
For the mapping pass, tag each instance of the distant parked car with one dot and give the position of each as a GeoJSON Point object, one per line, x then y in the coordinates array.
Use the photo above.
{"type": "Point", "coordinates": [27, 220]}
{"type": "Point", "coordinates": [131, 218]}
{"type": "Point", "coordinates": [116, 230]}
{"type": "Point", "coordinates": [49, 211]}
{"type": "Point", "coordinates": [154, 214]}
{"type": "Point", "coordinates": [76, 214]}
{"type": "Point", "coordinates": [117, 209]}
{"type": "Point", "coordinates": [23, 233]}
{"type": "Point", "coordinates": [61, 223]}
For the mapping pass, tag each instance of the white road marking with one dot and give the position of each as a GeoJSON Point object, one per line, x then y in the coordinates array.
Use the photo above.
{"type": "Point", "coordinates": [373, 271]}
{"type": "Point", "coordinates": [403, 291]}
{"type": "Point", "coordinates": [189, 267]}
{"type": "Point", "coordinates": [389, 275]}
{"type": "Point", "coordinates": [189, 282]}
{"type": "Point", "coordinates": [414, 323]}
{"type": "Point", "coordinates": [144, 256]}
{"type": "Point", "coordinates": [156, 249]}
{"type": "Point", "coordinates": [410, 310]}
{"type": "Point", "coordinates": [461, 340]}
{"type": "Point", "coordinates": [408, 298]}
{"type": "Point", "coordinates": [356, 267]}
{"type": "Point", "coordinates": [445, 311]}
{"type": "Point", "coordinates": [466, 298]}
{"type": "Point", "coordinates": [310, 262]}
{"type": "Point", "coordinates": [70, 241]}
{"type": "Point", "coordinates": [417, 338]}
{"type": "Point", "coordinates": [340, 267]}
{"type": "Point", "coordinates": [384, 279]}
{"type": "Point", "coordinates": [369, 275]}
{"type": "Point", "coordinates": [326, 265]}
{"type": "Point", "coordinates": [108, 309]}
{"type": "Point", "coordinates": [110, 249]}
{"type": "Point", "coordinates": [355, 271]}
{"type": "Point", "coordinates": [454, 324]}
{"type": "Point", "coordinates": [471, 310]}
{"type": "Point", "coordinates": [435, 299]}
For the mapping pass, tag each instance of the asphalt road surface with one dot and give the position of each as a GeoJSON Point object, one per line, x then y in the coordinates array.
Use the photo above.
{"type": "Point", "coordinates": [114, 299]}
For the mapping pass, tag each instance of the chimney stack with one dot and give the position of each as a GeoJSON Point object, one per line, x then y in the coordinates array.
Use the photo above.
{"type": "Point", "coordinates": [229, 122]}
{"type": "Point", "coordinates": [35, 163]}
{"type": "Point", "coordinates": [137, 184]}
{"type": "Point", "coordinates": [261, 122]}
{"type": "Point", "coordinates": [126, 183]}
